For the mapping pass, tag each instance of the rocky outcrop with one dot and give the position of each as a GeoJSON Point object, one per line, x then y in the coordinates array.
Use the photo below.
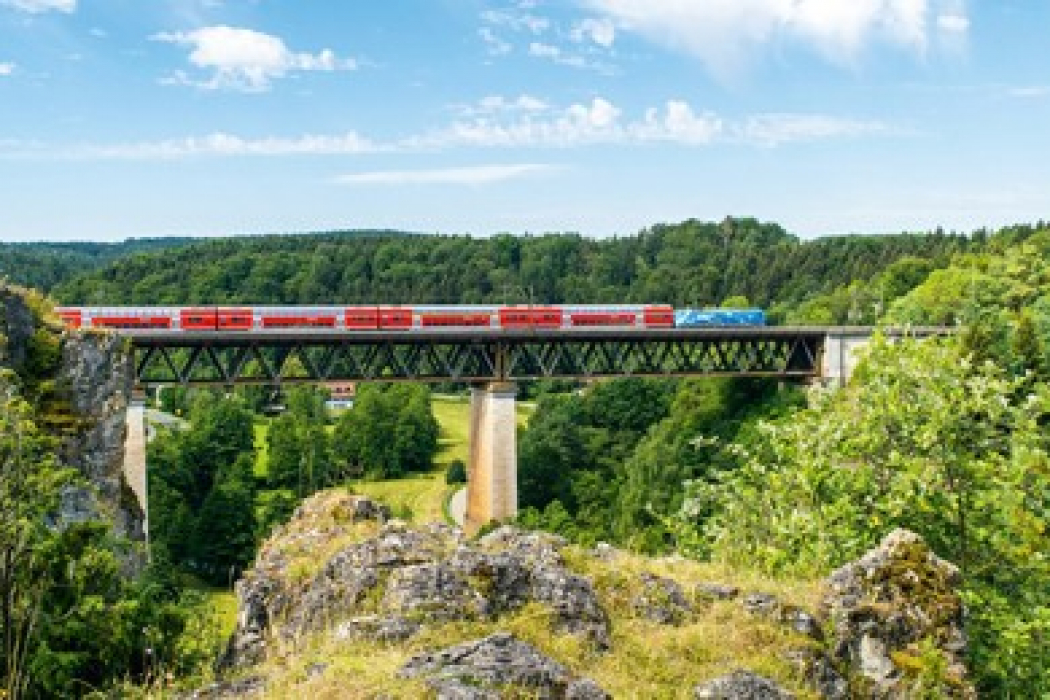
{"type": "Point", "coordinates": [387, 581]}
{"type": "Point", "coordinates": [889, 612]}
{"type": "Point", "coordinates": [81, 382]}
{"type": "Point", "coordinates": [500, 662]}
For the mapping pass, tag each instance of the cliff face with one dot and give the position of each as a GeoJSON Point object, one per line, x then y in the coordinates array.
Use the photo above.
{"type": "Point", "coordinates": [96, 373]}
{"type": "Point", "coordinates": [81, 383]}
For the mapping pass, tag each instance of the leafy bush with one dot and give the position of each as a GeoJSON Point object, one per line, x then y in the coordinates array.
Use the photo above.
{"type": "Point", "coordinates": [456, 473]}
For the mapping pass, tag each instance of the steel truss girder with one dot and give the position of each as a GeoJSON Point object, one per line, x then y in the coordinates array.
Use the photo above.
{"type": "Point", "coordinates": [221, 361]}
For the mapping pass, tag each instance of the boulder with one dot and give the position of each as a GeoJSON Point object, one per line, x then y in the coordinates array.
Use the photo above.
{"type": "Point", "coordinates": [484, 667]}
{"type": "Point", "coordinates": [882, 606]}
{"type": "Point", "coordinates": [661, 600]}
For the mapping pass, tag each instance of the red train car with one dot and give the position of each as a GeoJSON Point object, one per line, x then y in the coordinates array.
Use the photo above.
{"type": "Point", "coordinates": [362, 318]}
{"type": "Point", "coordinates": [198, 319]}
{"type": "Point", "coordinates": [530, 317]}
{"type": "Point", "coordinates": [298, 316]}
{"type": "Point", "coordinates": [454, 317]}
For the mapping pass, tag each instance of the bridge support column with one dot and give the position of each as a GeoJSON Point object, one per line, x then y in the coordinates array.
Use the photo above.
{"type": "Point", "coordinates": [492, 475]}
{"type": "Point", "coordinates": [841, 354]}
{"type": "Point", "coordinates": [135, 460]}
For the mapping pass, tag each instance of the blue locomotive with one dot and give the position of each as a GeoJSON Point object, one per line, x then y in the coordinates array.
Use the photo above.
{"type": "Point", "coordinates": [689, 318]}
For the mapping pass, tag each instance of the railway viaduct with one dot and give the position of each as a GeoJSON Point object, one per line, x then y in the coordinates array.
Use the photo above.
{"type": "Point", "coordinates": [490, 361]}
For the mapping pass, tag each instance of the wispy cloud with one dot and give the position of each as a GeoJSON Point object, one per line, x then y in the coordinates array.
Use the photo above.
{"type": "Point", "coordinates": [725, 34]}
{"type": "Point", "coordinates": [496, 122]}
{"type": "Point", "coordinates": [7, 68]}
{"type": "Point", "coordinates": [517, 20]}
{"type": "Point", "coordinates": [244, 59]}
{"type": "Point", "coordinates": [498, 104]}
{"type": "Point", "coordinates": [775, 129]}
{"type": "Point", "coordinates": [472, 176]}
{"type": "Point", "coordinates": [37, 6]}
{"type": "Point", "coordinates": [495, 45]}
{"type": "Point", "coordinates": [221, 144]}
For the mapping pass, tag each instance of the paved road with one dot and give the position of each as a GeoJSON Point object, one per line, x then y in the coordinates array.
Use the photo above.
{"type": "Point", "coordinates": [458, 506]}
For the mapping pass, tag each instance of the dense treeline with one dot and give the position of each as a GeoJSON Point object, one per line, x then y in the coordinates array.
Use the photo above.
{"type": "Point", "coordinates": [44, 265]}
{"type": "Point", "coordinates": [688, 263]}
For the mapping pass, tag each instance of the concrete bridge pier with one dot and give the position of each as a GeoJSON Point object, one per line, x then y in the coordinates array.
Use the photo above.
{"type": "Point", "coordinates": [841, 354]}
{"type": "Point", "coordinates": [135, 460]}
{"type": "Point", "coordinates": [492, 474]}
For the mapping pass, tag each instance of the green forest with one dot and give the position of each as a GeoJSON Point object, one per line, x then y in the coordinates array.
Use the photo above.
{"type": "Point", "coordinates": [949, 438]}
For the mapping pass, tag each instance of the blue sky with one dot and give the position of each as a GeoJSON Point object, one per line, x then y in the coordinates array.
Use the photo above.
{"type": "Point", "coordinates": [123, 118]}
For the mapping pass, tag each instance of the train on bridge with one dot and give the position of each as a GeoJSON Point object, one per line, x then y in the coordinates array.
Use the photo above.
{"type": "Point", "coordinates": [403, 318]}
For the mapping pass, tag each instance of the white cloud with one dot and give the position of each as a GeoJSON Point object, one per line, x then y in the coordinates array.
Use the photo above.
{"type": "Point", "coordinates": [7, 68]}
{"type": "Point", "coordinates": [516, 20]}
{"type": "Point", "coordinates": [557, 55]}
{"type": "Point", "coordinates": [725, 33]}
{"type": "Point", "coordinates": [602, 122]}
{"type": "Point", "coordinates": [498, 104]}
{"type": "Point", "coordinates": [774, 129]}
{"type": "Point", "coordinates": [221, 144]}
{"type": "Point", "coordinates": [600, 31]}
{"type": "Point", "coordinates": [474, 175]}
{"type": "Point", "coordinates": [679, 123]}
{"type": "Point", "coordinates": [244, 59]}
{"type": "Point", "coordinates": [36, 6]}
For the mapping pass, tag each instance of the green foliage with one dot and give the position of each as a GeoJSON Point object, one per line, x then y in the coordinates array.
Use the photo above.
{"type": "Point", "coordinates": [30, 485]}
{"type": "Point", "coordinates": [201, 490]}
{"type": "Point", "coordinates": [456, 472]}
{"type": "Point", "coordinates": [300, 453]}
{"type": "Point", "coordinates": [391, 431]}
{"type": "Point", "coordinates": [44, 265]}
{"type": "Point", "coordinates": [925, 440]}
{"type": "Point", "coordinates": [69, 619]}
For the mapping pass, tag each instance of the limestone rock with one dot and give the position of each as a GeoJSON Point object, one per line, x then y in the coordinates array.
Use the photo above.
{"type": "Point", "coordinates": [479, 669]}
{"type": "Point", "coordinates": [378, 627]}
{"type": "Point", "coordinates": [384, 586]}
{"type": "Point", "coordinates": [661, 600]}
{"type": "Point", "coordinates": [741, 685]}
{"type": "Point", "coordinates": [882, 605]}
